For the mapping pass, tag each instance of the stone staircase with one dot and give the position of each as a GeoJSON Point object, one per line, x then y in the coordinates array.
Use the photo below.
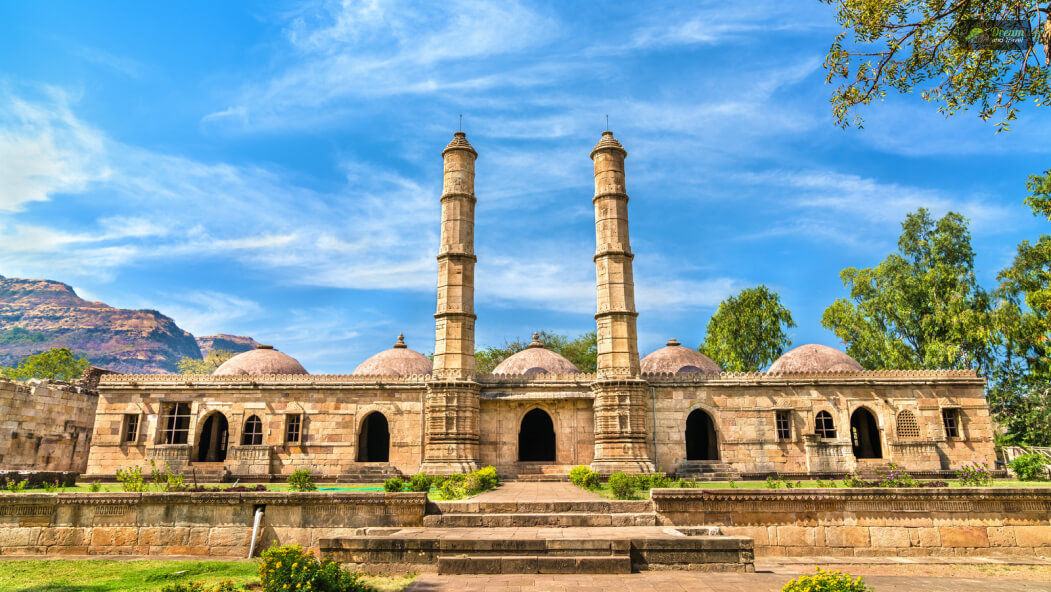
{"type": "Point", "coordinates": [534, 471]}
{"type": "Point", "coordinates": [706, 470]}
{"type": "Point", "coordinates": [368, 473]}
{"type": "Point", "coordinates": [540, 514]}
{"type": "Point", "coordinates": [586, 536]}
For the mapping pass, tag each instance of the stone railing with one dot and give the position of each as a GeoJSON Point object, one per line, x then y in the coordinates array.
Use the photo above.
{"type": "Point", "coordinates": [169, 452]}
{"type": "Point", "coordinates": [176, 381]}
{"type": "Point", "coordinates": [870, 521]}
{"type": "Point", "coordinates": [196, 524]}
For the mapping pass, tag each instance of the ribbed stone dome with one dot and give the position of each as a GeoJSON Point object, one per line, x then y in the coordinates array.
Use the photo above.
{"type": "Point", "coordinates": [261, 360]}
{"type": "Point", "coordinates": [814, 358]}
{"type": "Point", "coordinates": [397, 361]}
{"type": "Point", "coordinates": [676, 359]}
{"type": "Point", "coordinates": [536, 359]}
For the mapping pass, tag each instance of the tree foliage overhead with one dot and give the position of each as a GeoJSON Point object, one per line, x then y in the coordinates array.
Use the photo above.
{"type": "Point", "coordinates": [58, 363]}
{"type": "Point", "coordinates": [581, 350]}
{"type": "Point", "coordinates": [213, 360]}
{"type": "Point", "coordinates": [1019, 394]}
{"type": "Point", "coordinates": [934, 46]}
{"type": "Point", "coordinates": [748, 331]}
{"type": "Point", "coordinates": [921, 307]}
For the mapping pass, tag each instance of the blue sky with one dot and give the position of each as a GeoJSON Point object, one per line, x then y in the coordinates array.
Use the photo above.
{"type": "Point", "coordinates": [273, 169]}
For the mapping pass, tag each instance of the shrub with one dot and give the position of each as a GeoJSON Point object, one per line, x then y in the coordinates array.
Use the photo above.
{"type": "Point", "coordinates": [975, 475]}
{"type": "Point", "coordinates": [53, 487]}
{"type": "Point", "coordinates": [1030, 467]}
{"type": "Point", "coordinates": [394, 484]}
{"type": "Point", "coordinates": [450, 490]}
{"type": "Point", "coordinates": [590, 480]}
{"type": "Point", "coordinates": [622, 485]}
{"type": "Point", "coordinates": [290, 568]}
{"type": "Point", "coordinates": [826, 581]}
{"type": "Point", "coordinates": [772, 483]}
{"type": "Point", "coordinates": [420, 482]}
{"type": "Point", "coordinates": [131, 479]}
{"type": "Point", "coordinates": [95, 487]}
{"type": "Point", "coordinates": [576, 474]}
{"type": "Point", "coordinates": [300, 480]}
{"type": "Point", "coordinates": [488, 476]}
{"type": "Point", "coordinates": [652, 480]}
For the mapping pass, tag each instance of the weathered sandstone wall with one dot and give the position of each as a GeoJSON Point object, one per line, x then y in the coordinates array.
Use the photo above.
{"type": "Point", "coordinates": [44, 426]}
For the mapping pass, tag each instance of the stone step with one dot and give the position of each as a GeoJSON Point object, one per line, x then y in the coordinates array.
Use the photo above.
{"type": "Point", "coordinates": [533, 564]}
{"type": "Point", "coordinates": [561, 519]}
{"type": "Point", "coordinates": [595, 506]}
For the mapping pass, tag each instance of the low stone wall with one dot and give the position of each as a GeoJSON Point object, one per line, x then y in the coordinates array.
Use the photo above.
{"type": "Point", "coordinates": [870, 522]}
{"type": "Point", "coordinates": [201, 524]}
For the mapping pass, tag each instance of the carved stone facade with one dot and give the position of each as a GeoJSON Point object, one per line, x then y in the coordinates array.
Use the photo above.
{"type": "Point", "coordinates": [821, 414]}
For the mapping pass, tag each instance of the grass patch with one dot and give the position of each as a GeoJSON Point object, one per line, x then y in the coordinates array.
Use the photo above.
{"type": "Point", "coordinates": [115, 575]}
{"type": "Point", "coordinates": [116, 488]}
{"type": "Point", "coordinates": [641, 494]}
{"type": "Point", "coordinates": [106, 575]}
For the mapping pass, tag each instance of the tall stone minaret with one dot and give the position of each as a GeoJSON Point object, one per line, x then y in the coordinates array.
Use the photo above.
{"type": "Point", "coordinates": [451, 412]}
{"type": "Point", "coordinates": [620, 393]}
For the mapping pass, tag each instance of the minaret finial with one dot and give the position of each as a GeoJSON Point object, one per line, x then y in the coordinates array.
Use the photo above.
{"type": "Point", "coordinates": [401, 342]}
{"type": "Point", "coordinates": [460, 129]}
{"type": "Point", "coordinates": [536, 341]}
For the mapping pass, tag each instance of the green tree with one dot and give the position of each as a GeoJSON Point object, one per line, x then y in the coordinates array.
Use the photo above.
{"type": "Point", "coordinates": [936, 47]}
{"type": "Point", "coordinates": [57, 363]}
{"type": "Point", "coordinates": [213, 360]}
{"type": "Point", "coordinates": [748, 331]}
{"type": "Point", "coordinates": [1019, 391]}
{"type": "Point", "coordinates": [921, 307]}
{"type": "Point", "coordinates": [581, 350]}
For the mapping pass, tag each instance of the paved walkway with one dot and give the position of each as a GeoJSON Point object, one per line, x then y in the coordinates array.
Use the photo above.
{"type": "Point", "coordinates": [536, 491]}
{"type": "Point", "coordinates": [605, 533]}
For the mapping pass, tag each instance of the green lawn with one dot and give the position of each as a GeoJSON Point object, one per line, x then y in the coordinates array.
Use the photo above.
{"type": "Point", "coordinates": [115, 575]}
{"type": "Point", "coordinates": [115, 487]}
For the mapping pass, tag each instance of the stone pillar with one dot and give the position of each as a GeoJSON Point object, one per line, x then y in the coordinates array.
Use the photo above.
{"type": "Point", "coordinates": [452, 395]}
{"type": "Point", "coordinates": [621, 396]}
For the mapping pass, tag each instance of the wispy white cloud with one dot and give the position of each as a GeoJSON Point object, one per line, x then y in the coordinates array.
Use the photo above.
{"type": "Point", "coordinates": [115, 63]}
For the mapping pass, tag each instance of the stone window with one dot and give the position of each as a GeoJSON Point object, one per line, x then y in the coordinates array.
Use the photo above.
{"type": "Point", "coordinates": [175, 426]}
{"type": "Point", "coordinates": [951, 421]}
{"type": "Point", "coordinates": [253, 432]}
{"type": "Point", "coordinates": [294, 428]}
{"type": "Point", "coordinates": [783, 424]}
{"type": "Point", "coordinates": [824, 427]}
{"type": "Point", "coordinates": [131, 428]}
{"type": "Point", "coordinates": [907, 427]}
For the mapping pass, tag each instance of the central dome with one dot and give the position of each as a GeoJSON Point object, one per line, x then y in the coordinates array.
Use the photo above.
{"type": "Point", "coordinates": [536, 359]}
{"type": "Point", "coordinates": [814, 358]}
{"type": "Point", "coordinates": [676, 359]}
{"type": "Point", "coordinates": [264, 359]}
{"type": "Point", "coordinates": [397, 361]}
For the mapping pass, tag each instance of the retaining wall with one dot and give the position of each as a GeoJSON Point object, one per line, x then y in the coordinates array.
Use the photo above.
{"type": "Point", "coordinates": [45, 426]}
{"type": "Point", "coordinates": [201, 524]}
{"type": "Point", "coordinates": [870, 522]}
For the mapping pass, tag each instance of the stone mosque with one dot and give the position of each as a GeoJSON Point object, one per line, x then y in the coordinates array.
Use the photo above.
{"type": "Point", "coordinates": [816, 412]}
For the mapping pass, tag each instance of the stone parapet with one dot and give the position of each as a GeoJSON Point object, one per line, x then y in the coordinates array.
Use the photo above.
{"type": "Point", "coordinates": [45, 425]}
{"type": "Point", "coordinates": [195, 524]}
{"type": "Point", "coordinates": [871, 521]}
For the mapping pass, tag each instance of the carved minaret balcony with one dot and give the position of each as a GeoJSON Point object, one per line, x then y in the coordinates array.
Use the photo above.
{"type": "Point", "coordinates": [620, 394]}
{"type": "Point", "coordinates": [452, 396]}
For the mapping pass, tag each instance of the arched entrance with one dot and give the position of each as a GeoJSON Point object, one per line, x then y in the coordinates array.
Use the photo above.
{"type": "Point", "coordinates": [536, 438]}
{"type": "Point", "coordinates": [211, 447]}
{"type": "Point", "coordinates": [374, 439]}
{"type": "Point", "coordinates": [701, 441]}
{"type": "Point", "coordinates": [864, 434]}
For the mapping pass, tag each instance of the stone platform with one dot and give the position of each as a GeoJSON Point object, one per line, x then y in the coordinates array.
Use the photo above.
{"type": "Point", "coordinates": [545, 550]}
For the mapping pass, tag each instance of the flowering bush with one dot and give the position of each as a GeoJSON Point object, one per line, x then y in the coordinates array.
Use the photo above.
{"type": "Point", "coordinates": [462, 485]}
{"type": "Point", "coordinates": [1030, 467]}
{"type": "Point", "coordinates": [826, 580]}
{"type": "Point", "coordinates": [14, 485]}
{"type": "Point", "coordinates": [290, 568]}
{"type": "Point", "coordinates": [132, 480]}
{"type": "Point", "coordinates": [95, 487]}
{"type": "Point", "coordinates": [890, 476]}
{"type": "Point", "coordinates": [975, 475]}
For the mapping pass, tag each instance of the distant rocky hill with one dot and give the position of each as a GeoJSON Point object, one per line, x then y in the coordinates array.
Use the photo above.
{"type": "Point", "coordinates": [39, 314]}
{"type": "Point", "coordinates": [222, 341]}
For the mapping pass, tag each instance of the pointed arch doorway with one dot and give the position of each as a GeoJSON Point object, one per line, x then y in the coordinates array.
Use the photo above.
{"type": "Point", "coordinates": [536, 437]}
